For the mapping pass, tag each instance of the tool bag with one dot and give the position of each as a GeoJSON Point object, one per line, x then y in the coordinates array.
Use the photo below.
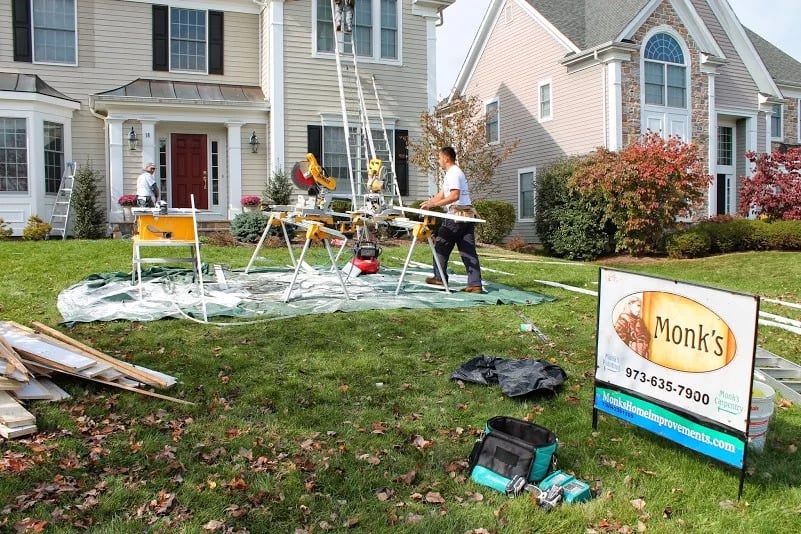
{"type": "Point", "coordinates": [512, 448]}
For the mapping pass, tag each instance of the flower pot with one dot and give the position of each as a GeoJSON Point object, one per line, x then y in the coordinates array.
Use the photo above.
{"type": "Point", "coordinates": [249, 209]}
{"type": "Point", "coordinates": [127, 214]}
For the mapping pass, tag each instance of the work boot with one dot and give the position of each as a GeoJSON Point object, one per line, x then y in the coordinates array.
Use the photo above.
{"type": "Point", "coordinates": [434, 281]}
{"type": "Point", "coordinates": [473, 289]}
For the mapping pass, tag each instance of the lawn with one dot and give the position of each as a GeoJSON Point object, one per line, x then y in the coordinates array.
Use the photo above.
{"type": "Point", "coordinates": [350, 422]}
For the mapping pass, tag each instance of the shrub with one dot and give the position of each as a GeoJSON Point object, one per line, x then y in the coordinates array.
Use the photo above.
{"type": "Point", "coordinates": [570, 224]}
{"type": "Point", "coordinates": [90, 218]}
{"type": "Point", "coordinates": [784, 235]}
{"type": "Point", "coordinates": [646, 186]}
{"type": "Point", "coordinates": [774, 189]}
{"type": "Point", "coordinates": [500, 217]}
{"type": "Point", "coordinates": [36, 230]}
{"type": "Point", "coordinates": [5, 229]}
{"type": "Point", "coordinates": [726, 234]}
{"type": "Point", "coordinates": [341, 205]}
{"type": "Point", "coordinates": [248, 227]}
{"type": "Point", "coordinates": [278, 189]}
{"type": "Point", "coordinates": [689, 244]}
{"type": "Point", "coordinates": [759, 237]}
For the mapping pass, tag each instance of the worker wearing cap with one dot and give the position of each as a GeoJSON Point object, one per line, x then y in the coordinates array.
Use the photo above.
{"type": "Point", "coordinates": [147, 190]}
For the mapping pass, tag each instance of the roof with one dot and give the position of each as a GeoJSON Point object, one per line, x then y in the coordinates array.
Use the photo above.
{"type": "Point", "coordinates": [588, 23]}
{"type": "Point", "coordinates": [784, 68]}
{"type": "Point", "coordinates": [169, 91]}
{"type": "Point", "coordinates": [29, 83]}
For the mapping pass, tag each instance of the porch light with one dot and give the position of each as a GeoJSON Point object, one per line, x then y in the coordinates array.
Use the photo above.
{"type": "Point", "coordinates": [254, 142]}
{"type": "Point", "coordinates": [132, 139]}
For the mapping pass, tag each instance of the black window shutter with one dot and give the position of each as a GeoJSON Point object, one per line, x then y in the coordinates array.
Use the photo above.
{"type": "Point", "coordinates": [314, 137]}
{"type": "Point", "coordinates": [21, 15]}
{"type": "Point", "coordinates": [215, 42]}
{"type": "Point", "coordinates": [161, 38]}
{"type": "Point", "coordinates": [402, 161]}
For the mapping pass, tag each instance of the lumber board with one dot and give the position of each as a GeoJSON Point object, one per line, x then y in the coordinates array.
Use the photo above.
{"type": "Point", "coordinates": [121, 366]}
{"type": "Point", "coordinates": [110, 374]}
{"type": "Point", "coordinates": [12, 414]}
{"type": "Point", "coordinates": [36, 344]}
{"type": "Point", "coordinates": [10, 355]}
{"type": "Point", "coordinates": [169, 380]}
{"type": "Point", "coordinates": [129, 388]}
{"type": "Point", "coordinates": [7, 384]}
{"type": "Point", "coordinates": [56, 393]}
{"type": "Point", "coordinates": [11, 433]}
{"type": "Point", "coordinates": [33, 390]}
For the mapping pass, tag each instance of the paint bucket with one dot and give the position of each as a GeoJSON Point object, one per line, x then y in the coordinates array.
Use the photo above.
{"type": "Point", "coordinates": [761, 412]}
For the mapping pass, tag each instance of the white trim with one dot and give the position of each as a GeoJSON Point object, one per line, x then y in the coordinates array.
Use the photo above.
{"type": "Point", "coordinates": [234, 153]}
{"type": "Point", "coordinates": [521, 171]}
{"type": "Point", "coordinates": [276, 77]}
{"type": "Point", "coordinates": [33, 41]}
{"type": "Point", "coordinates": [375, 56]}
{"type": "Point", "coordinates": [488, 102]}
{"type": "Point", "coordinates": [614, 100]}
{"type": "Point", "coordinates": [798, 120]}
{"type": "Point", "coordinates": [228, 6]}
{"type": "Point", "coordinates": [540, 85]}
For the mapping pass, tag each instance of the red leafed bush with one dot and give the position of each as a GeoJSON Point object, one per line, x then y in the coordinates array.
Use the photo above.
{"type": "Point", "coordinates": [646, 186]}
{"type": "Point", "coordinates": [774, 191]}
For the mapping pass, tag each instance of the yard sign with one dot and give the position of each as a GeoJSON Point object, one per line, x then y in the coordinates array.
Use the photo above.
{"type": "Point", "coordinates": [677, 359]}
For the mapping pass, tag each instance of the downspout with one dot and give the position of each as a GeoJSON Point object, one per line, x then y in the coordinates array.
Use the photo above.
{"type": "Point", "coordinates": [105, 154]}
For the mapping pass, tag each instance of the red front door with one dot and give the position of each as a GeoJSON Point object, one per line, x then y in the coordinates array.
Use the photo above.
{"type": "Point", "coordinates": [189, 171]}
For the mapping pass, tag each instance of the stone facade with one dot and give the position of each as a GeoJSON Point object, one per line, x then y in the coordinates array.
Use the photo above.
{"type": "Point", "coordinates": [664, 15]}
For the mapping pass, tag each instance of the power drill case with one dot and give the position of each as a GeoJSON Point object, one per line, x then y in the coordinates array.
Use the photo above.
{"type": "Point", "coordinates": [509, 448]}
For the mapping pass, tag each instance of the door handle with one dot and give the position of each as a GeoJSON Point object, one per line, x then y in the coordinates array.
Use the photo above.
{"type": "Point", "coordinates": [205, 181]}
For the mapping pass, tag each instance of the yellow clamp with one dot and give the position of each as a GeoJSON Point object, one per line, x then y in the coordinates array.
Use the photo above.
{"type": "Point", "coordinates": [374, 167]}
{"type": "Point", "coordinates": [422, 230]}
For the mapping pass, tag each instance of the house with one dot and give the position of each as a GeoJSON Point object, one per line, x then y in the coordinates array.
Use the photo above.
{"type": "Point", "coordinates": [220, 95]}
{"type": "Point", "coordinates": [567, 76]}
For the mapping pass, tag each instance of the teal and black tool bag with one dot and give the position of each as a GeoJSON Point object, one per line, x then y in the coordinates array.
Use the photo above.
{"type": "Point", "coordinates": [512, 450]}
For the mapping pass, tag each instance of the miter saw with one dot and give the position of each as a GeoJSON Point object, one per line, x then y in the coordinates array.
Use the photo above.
{"type": "Point", "coordinates": [309, 175]}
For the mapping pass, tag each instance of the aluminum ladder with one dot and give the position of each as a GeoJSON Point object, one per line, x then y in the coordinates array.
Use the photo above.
{"type": "Point", "coordinates": [60, 216]}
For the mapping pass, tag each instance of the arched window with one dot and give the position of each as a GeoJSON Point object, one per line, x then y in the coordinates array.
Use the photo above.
{"type": "Point", "coordinates": [665, 72]}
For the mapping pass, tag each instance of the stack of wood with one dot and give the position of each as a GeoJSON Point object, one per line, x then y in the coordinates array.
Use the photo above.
{"type": "Point", "coordinates": [28, 358]}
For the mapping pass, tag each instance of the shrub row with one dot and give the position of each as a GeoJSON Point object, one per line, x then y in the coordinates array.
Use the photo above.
{"type": "Point", "coordinates": [726, 234]}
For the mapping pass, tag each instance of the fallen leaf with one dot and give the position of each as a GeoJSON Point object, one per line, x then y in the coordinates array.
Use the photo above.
{"type": "Point", "coordinates": [785, 403]}
{"type": "Point", "coordinates": [406, 479]}
{"type": "Point", "coordinates": [414, 518]}
{"type": "Point", "coordinates": [421, 443]}
{"type": "Point", "coordinates": [641, 526]}
{"type": "Point", "coordinates": [667, 512]}
{"type": "Point", "coordinates": [325, 525]}
{"type": "Point", "coordinates": [384, 494]}
{"type": "Point", "coordinates": [727, 505]}
{"type": "Point", "coordinates": [638, 504]}
{"type": "Point", "coordinates": [343, 388]}
{"type": "Point", "coordinates": [351, 522]}
{"type": "Point", "coordinates": [433, 497]}
{"type": "Point", "coordinates": [792, 448]}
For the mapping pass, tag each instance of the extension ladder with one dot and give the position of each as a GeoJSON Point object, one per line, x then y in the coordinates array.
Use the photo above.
{"type": "Point", "coordinates": [59, 218]}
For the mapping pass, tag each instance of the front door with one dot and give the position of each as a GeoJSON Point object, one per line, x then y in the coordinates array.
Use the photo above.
{"type": "Point", "coordinates": [190, 171]}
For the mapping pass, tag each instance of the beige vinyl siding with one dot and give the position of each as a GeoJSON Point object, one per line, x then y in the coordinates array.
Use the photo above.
{"type": "Point", "coordinates": [311, 86]}
{"type": "Point", "coordinates": [255, 167]}
{"type": "Point", "coordinates": [519, 54]}
{"type": "Point", "coordinates": [734, 87]}
{"type": "Point", "coordinates": [114, 49]}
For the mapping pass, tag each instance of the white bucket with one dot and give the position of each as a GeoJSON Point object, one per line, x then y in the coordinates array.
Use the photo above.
{"type": "Point", "coordinates": [761, 412]}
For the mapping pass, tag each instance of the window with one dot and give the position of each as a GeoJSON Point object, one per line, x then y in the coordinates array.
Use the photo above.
{"type": "Point", "coordinates": [13, 155]}
{"type": "Point", "coordinates": [725, 145]}
{"type": "Point", "coordinates": [163, 170]}
{"type": "Point", "coordinates": [187, 40]}
{"type": "Point", "coordinates": [54, 35]}
{"type": "Point", "coordinates": [215, 173]}
{"type": "Point", "coordinates": [525, 200]}
{"type": "Point", "coordinates": [545, 101]}
{"type": "Point", "coordinates": [335, 157]}
{"type": "Point", "coordinates": [53, 155]}
{"type": "Point", "coordinates": [492, 121]}
{"type": "Point", "coordinates": [776, 122]}
{"type": "Point", "coordinates": [665, 72]}
{"type": "Point", "coordinates": [374, 21]}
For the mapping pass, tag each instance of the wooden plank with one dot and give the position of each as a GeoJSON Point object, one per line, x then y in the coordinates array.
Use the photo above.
{"type": "Point", "coordinates": [167, 379]}
{"type": "Point", "coordinates": [128, 388]}
{"type": "Point", "coordinates": [34, 344]}
{"type": "Point", "coordinates": [17, 369]}
{"type": "Point", "coordinates": [33, 390]}
{"type": "Point", "coordinates": [7, 384]}
{"type": "Point", "coordinates": [10, 433]}
{"type": "Point", "coordinates": [56, 393]}
{"type": "Point", "coordinates": [121, 366]}
{"type": "Point", "coordinates": [110, 374]}
{"type": "Point", "coordinates": [12, 414]}
{"type": "Point", "coordinates": [127, 382]}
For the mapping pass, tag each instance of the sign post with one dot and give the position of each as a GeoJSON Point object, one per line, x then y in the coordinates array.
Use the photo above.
{"type": "Point", "coordinates": [677, 359]}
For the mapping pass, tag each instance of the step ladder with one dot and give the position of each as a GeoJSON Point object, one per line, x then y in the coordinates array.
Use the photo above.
{"type": "Point", "coordinates": [782, 375]}
{"type": "Point", "coordinates": [60, 217]}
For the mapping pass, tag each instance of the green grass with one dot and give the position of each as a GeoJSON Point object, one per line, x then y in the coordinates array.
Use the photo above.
{"type": "Point", "coordinates": [291, 416]}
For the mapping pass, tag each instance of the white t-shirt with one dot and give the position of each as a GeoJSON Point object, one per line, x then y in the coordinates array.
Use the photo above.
{"type": "Point", "coordinates": [455, 179]}
{"type": "Point", "coordinates": [144, 185]}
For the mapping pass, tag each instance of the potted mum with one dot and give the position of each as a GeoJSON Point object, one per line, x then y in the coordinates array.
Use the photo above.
{"type": "Point", "coordinates": [251, 202]}
{"type": "Point", "coordinates": [127, 202]}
